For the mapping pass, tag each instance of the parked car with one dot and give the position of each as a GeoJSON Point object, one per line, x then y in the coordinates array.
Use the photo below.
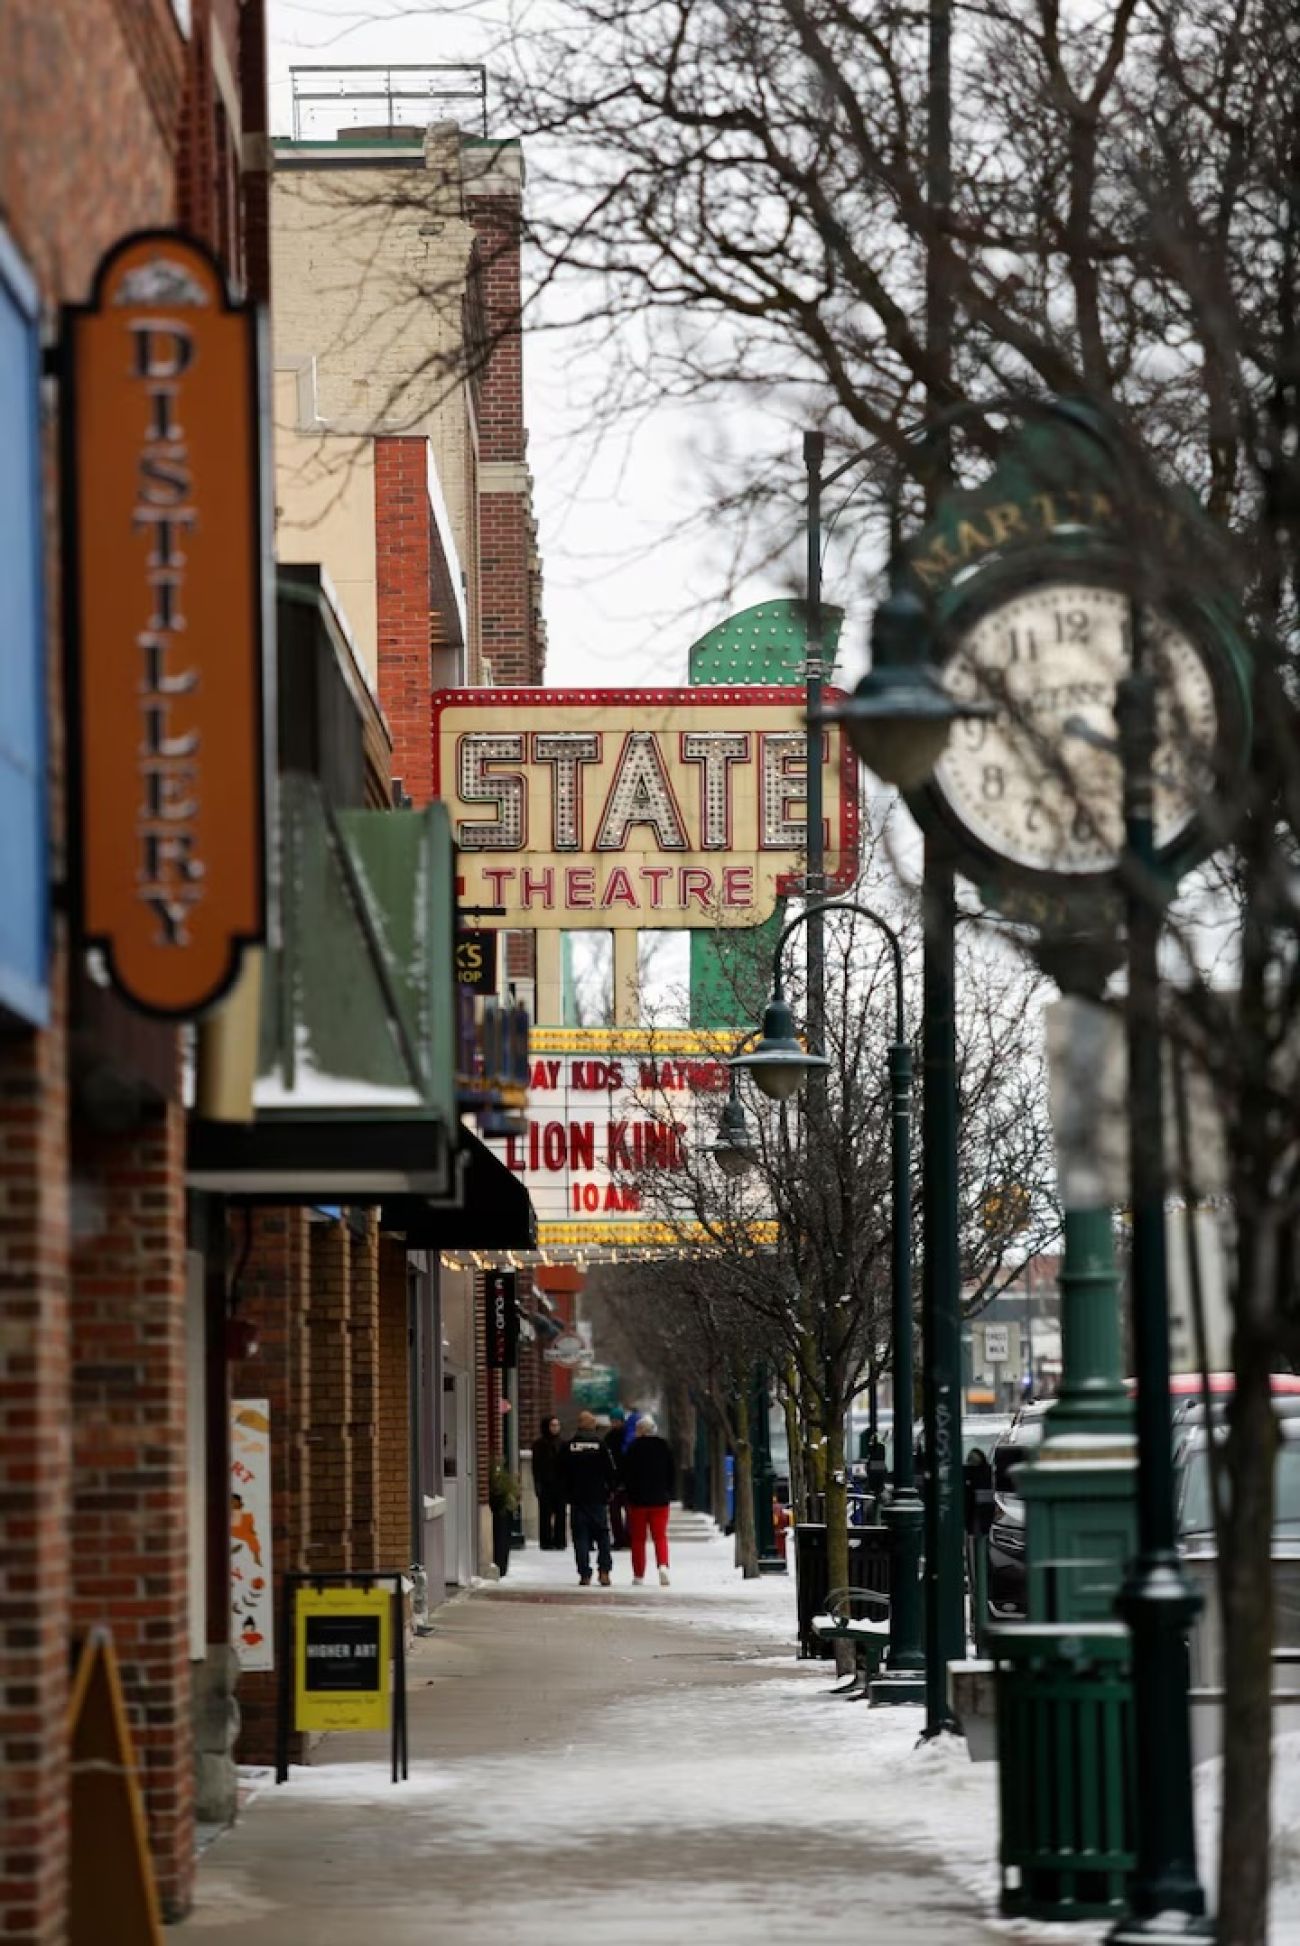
{"type": "Point", "coordinates": [1007, 1578]}
{"type": "Point", "coordinates": [1007, 1534]}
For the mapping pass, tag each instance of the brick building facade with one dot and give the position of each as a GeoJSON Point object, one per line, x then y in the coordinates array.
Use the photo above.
{"type": "Point", "coordinates": [398, 327]}
{"type": "Point", "coordinates": [115, 115]}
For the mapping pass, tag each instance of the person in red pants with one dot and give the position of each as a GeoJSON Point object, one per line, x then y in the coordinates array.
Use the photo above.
{"type": "Point", "coordinates": [649, 1477]}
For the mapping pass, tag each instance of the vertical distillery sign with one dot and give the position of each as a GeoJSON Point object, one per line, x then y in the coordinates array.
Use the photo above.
{"type": "Point", "coordinates": [502, 1321]}
{"type": "Point", "coordinates": [167, 579]}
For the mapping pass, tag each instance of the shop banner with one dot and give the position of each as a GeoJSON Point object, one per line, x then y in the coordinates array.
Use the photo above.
{"type": "Point", "coordinates": [252, 1614]}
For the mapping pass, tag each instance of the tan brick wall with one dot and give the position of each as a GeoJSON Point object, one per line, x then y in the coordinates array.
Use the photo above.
{"type": "Point", "coordinates": [370, 269]}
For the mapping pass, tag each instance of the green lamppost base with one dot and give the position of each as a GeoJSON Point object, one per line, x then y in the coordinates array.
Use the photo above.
{"type": "Point", "coordinates": [1080, 1487]}
{"type": "Point", "coordinates": [1164, 1929]}
{"type": "Point", "coordinates": [900, 1686]}
{"type": "Point", "coordinates": [902, 1680]}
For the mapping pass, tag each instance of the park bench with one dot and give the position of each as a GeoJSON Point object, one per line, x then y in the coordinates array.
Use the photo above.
{"type": "Point", "coordinates": [869, 1637]}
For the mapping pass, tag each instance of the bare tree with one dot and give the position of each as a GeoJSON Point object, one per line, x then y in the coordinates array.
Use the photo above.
{"type": "Point", "coordinates": [797, 1253]}
{"type": "Point", "coordinates": [744, 180]}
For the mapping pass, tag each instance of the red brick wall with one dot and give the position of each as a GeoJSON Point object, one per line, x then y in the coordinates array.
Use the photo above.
{"type": "Point", "coordinates": [329, 1315]}
{"type": "Point", "coordinates": [128, 1541]}
{"type": "Point", "coordinates": [496, 221]}
{"type": "Point", "coordinates": [34, 1463]}
{"type": "Point", "coordinates": [403, 538]}
{"type": "Point", "coordinates": [392, 1499]}
{"type": "Point", "coordinates": [269, 1250]}
{"type": "Point", "coordinates": [92, 104]}
{"type": "Point", "coordinates": [363, 1331]}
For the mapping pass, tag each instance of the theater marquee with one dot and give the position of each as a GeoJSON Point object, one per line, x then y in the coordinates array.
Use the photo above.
{"type": "Point", "coordinates": [635, 808]}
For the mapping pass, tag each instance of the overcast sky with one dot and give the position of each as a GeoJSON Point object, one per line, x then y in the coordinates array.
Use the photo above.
{"type": "Point", "coordinates": [624, 594]}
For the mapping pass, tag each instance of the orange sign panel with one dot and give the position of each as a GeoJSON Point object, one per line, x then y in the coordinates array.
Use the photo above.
{"type": "Point", "coordinates": [167, 577]}
{"type": "Point", "coordinates": [635, 808]}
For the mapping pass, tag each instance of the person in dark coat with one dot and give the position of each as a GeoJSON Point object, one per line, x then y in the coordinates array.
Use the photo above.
{"type": "Point", "coordinates": [548, 1451]}
{"type": "Point", "coordinates": [616, 1441]}
{"type": "Point", "coordinates": [649, 1477]}
{"type": "Point", "coordinates": [589, 1476]}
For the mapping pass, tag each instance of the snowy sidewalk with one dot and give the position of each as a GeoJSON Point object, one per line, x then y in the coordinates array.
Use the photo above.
{"type": "Point", "coordinates": [644, 1764]}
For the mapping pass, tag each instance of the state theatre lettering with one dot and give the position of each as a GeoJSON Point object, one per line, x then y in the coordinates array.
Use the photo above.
{"type": "Point", "coordinates": [634, 808]}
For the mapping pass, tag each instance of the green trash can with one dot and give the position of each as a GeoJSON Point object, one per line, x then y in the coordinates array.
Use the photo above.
{"type": "Point", "coordinates": [1065, 1768]}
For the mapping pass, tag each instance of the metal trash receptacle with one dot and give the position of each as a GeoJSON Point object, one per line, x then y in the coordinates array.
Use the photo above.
{"type": "Point", "coordinates": [1065, 1768]}
{"type": "Point", "coordinates": [812, 1584]}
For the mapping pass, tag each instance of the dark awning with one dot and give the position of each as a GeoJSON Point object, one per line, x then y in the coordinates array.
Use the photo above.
{"type": "Point", "coordinates": [495, 1211]}
{"type": "Point", "coordinates": [338, 1159]}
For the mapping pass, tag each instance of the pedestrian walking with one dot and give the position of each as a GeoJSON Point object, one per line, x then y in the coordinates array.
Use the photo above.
{"type": "Point", "coordinates": [548, 1460]}
{"type": "Point", "coordinates": [649, 1476]}
{"type": "Point", "coordinates": [615, 1443]}
{"type": "Point", "coordinates": [590, 1476]}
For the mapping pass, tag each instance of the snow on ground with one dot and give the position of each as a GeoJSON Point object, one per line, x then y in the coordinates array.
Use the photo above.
{"type": "Point", "coordinates": [776, 1754]}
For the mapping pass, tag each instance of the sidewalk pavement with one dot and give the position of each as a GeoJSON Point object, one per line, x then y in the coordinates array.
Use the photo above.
{"type": "Point", "coordinates": [644, 1765]}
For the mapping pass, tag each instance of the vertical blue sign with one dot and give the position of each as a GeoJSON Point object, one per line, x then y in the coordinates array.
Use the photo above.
{"type": "Point", "coordinates": [24, 863]}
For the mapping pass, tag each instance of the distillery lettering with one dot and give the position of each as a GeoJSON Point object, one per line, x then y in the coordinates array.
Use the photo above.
{"type": "Point", "coordinates": [170, 871]}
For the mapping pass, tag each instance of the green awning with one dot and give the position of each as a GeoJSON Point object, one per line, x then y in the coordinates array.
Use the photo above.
{"type": "Point", "coordinates": [356, 1088]}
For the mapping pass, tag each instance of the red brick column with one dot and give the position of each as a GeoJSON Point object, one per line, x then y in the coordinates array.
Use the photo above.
{"type": "Point", "coordinates": [328, 1319]}
{"type": "Point", "coordinates": [269, 1251]}
{"type": "Point", "coordinates": [364, 1425]}
{"type": "Point", "coordinates": [129, 1543]}
{"type": "Point", "coordinates": [392, 1508]}
{"type": "Point", "coordinates": [34, 1481]}
{"type": "Point", "coordinates": [403, 566]}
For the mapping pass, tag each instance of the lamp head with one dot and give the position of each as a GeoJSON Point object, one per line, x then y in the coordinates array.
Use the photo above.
{"type": "Point", "coordinates": [733, 1147]}
{"type": "Point", "coordinates": [899, 716]}
{"type": "Point", "coordinates": [779, 1065]}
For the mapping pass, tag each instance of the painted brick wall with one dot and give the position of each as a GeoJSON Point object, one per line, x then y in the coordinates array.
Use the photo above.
{"type": "Point", "coordinates": [269, 1250]}
{"type": "Point", "coordinates": [392, 1496]}
{"type": "Point", "coordinates": [34, 1471]}
{"type": "Point", "coordinates": [128, 1533]}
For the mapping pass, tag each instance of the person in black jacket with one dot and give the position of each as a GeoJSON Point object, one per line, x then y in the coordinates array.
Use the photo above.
{"type": "Point", "coordinates": [548, 1454]}
{"type": "Point", "coordinates": [649, 1477]}
{"type": "Point", "coordinates": [590, 1476]}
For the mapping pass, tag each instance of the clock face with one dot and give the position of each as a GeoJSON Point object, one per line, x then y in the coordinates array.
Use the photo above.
{"type": "Point", "coordinates": [1039, 784]}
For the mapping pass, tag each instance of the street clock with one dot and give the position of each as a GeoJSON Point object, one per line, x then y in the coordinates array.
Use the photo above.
{"type": "Point", "coordinates": [1032, 796]}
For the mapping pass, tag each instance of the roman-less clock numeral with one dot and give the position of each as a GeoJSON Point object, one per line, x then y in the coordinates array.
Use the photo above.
{"type": "Point", "coordinates": [1038, 784]}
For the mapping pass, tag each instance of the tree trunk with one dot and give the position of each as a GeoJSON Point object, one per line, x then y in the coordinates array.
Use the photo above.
{"type": "Point", "coordinates": [1246, 1595]}
{"type": "Point", "coordinates": [837, 1526]}
{"type": "Point", "coordinates": [717, 1474]}
{"type": "Point", "coordinates": [794, 1445]}
{"type": "Point", "coordinates": [746, 1536]}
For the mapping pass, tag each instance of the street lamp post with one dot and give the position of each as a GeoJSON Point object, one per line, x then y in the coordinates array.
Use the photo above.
{"type": "Point", "coordinates": [1166, 1899]}
{"type": "Point", "coordinates": [898, 720]}
{"type": "Point", "coordinates": [778, 1070]}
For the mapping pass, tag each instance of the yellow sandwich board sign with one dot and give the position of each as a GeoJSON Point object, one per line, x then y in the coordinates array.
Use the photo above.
{"type": "Point", "coordinates": [342, 1651]}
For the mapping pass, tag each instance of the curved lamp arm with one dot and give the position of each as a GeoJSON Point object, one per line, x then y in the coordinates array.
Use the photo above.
{"type": "Point", "coordinates": [864, 912]}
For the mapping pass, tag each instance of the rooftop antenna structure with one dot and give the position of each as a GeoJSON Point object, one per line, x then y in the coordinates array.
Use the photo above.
{"type": "Point", "coordinates": [330, 100]}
